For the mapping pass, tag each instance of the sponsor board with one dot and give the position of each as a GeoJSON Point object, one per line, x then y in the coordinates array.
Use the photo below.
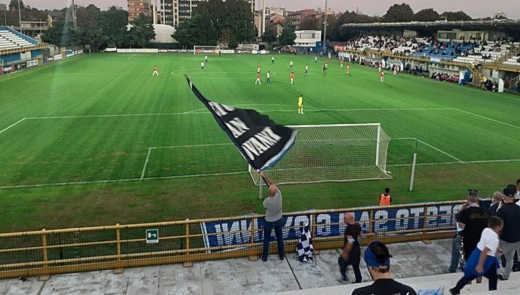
{"type": "Point", "coordinates": [32, 63]}
{"type": "Point", "coordinates": [141, 50]}
{"type": "Point", "coordinates": [384, 221]}
{"type": "Point", "coordinates": [58, 57]}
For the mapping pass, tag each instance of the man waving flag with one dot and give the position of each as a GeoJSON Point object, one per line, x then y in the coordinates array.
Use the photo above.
{"type": "Point", "coordinates": [260, 140]}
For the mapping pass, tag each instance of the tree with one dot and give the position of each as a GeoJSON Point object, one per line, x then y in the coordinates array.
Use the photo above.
{"type": "Point", "coordinates": [141, 32]}
{"type": "Point", "coordinates": [310, 23]}
{"type": "Point", "coordinates": [288, 36]}
{"type": "Point", "coordinates": [196, 31]}
{"type": "Point", "coordinates": [113, 24]}
{"type": "Point", "coordinates": [13, 5]}
{"type": "Point", "coordinates": [399, 13]}
{"type": "Point", "coordinates": [61, 34]}
{"type": "Point", "coordinates": [240, 20]}
{"type": "Point", "coordinates": [455, 16]}
{"type": "Point", "coordinates": [426, 15]}
{"type": "Point", "coordinates": [88, 17]}
{"type": "Point", "coordinates": [269, 36]}
{"type": "Point", "coordinates": [231, 19]}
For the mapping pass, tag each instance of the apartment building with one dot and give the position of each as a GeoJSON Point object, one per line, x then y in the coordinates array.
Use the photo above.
{"type": "Point", "coordinates": [174, 12]}
{"type": "Point", "coordinates": [136, 7]}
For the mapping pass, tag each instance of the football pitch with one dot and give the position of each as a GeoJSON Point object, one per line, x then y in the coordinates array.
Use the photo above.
{"type": "Point", "coordinates": [96, 140]}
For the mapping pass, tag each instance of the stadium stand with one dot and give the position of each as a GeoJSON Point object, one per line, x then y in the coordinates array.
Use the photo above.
{"type": "Point", "coordinates": [11, 39]}
{"type": "Point", "coordinates": [513, 61]}
{"type": "Point", "coordinates": [456, 50]}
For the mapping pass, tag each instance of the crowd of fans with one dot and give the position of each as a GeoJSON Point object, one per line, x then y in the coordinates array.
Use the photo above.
{"type": "Point", "coordinates": [450, 49]}
{"type": "Point", "coordinates": [473, 220]}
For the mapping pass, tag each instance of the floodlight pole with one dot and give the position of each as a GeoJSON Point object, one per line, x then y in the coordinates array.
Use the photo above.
{"type": "Point", "coordinates": [325, 28]}
{"type": "Point", "coordinates": [4, 8]}
{"type": "Point", "coordinates": [19, 16]}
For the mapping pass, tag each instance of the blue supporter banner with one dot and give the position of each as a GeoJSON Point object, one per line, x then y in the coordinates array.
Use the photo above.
{"type": "Point", "coordinates": [385, 220]}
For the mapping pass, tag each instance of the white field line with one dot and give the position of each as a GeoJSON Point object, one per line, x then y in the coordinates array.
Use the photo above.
{"type": "Point", "coordinates": [489, 119]}
{"type": "Point", "coordinates": [5, 129]}
{"type": "Point", "coordinates": [118, 180]}
{"type": "Point", "coordinates": [223, 144]}
{"type": "Point", "coordinates": [223, 174]}
{"type": "Point", "coordinates": [204, 111]}
{"type": "Point", "coordinates": [439, 150]}
{"type": "Point", "coordinates": [104, 116]}
{"type": "Point", "coordinates": [146, 163]}
{"type": "Point", "coordinates": [454, 163]}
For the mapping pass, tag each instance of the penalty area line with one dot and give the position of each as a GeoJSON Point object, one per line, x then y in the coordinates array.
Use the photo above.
{"type": "Point", "coordinates": [119, 180]}
{"type": "Point", "coordinates": [146, 163]}
{"type": "Point", "coordinates": [12, 125]}
{"type": "Point", "coordinates": [489, 119]}
{"type": "Point", "coordinates": [458, 163]}
{"type": "Point", "coordinates": [441, 151]}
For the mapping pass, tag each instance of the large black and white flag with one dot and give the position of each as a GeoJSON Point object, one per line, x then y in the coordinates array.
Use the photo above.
{"type": "Point", "coordinates": [305, 248]}
{"type": "Point", "coordinates": [260, 140]}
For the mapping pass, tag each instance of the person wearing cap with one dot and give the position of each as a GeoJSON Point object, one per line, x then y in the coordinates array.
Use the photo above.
{"type": "Point", "coordinates": [482, 261]}
{"type": "Point", "coordinates": [273, 218]}
{"type": "Point", "coordinates": [510, 237]}
{"type": "Point", "coordinates": [377, 258]}
{"type": "Point", "coordinates": [351, 254]}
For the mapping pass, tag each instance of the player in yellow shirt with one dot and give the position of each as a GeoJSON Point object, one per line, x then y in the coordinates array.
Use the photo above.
{"type": "Point", "coordinates": [300, 104]}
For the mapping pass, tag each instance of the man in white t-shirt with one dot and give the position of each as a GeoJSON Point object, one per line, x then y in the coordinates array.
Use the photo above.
{"type": "Point", "coordinates": [482, 261]}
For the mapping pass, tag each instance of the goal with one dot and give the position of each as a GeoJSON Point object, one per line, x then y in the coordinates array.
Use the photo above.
{"type": "Point", "coordinates": [332, 153]}
{"type": "Point", "coordinates": [199, 49]}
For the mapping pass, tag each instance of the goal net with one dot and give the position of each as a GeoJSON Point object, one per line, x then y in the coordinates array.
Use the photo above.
{"type": "Point", "coordinates": [198, 49]}
{"type": "Point", "coordinates": [333, 153]}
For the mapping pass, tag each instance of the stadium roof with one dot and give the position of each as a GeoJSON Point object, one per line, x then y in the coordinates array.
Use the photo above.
{"type": "Point", "coordinates": [496, 23]}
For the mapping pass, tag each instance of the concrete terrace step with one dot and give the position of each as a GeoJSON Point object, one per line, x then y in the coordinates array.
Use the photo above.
{"type": "Point", "coordinates": [417, 264]}
{"type": "Point", "coordinates": [445, 281]}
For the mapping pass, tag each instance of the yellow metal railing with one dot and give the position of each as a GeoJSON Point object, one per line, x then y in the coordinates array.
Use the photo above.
{"type": "Point", "coordinates": [47, 252]}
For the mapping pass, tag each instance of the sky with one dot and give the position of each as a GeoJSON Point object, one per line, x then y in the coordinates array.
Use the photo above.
{"type": "Point", "coordinates": [475, 8]}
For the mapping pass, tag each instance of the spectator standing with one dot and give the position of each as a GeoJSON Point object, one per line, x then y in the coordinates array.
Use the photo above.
{"type": "Point", "coordinates": [385, 199]}
{"type": "Point", "coordinates": [483, 261]}
{"type": "Point", "coordinates": [510, 237]}
{"type": "Point", "coordinates": [472, 221]}
{"type": "Point", "coordinates": [517, 195]}
{"type": "Point", "coordinates": [455, 249]}
{"type": "Point", "coordinates": [351, 254]}
{"type": "Point", "coordinates": [273, 218]}
{"type": "Point", "coordinates": [497, 203]}
{"type": "Point", "coordinates": [377, 258]}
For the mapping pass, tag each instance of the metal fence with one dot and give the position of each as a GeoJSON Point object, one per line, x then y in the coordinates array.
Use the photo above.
{"type": "Point", "coordinates": [47, 252]}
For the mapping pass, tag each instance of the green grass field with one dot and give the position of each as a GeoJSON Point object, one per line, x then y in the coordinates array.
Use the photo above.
{"type": "Point", "coordinates": [75, 135]}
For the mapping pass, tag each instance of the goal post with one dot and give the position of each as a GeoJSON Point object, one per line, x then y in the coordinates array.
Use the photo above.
{"type": "Point", "coordinates": [202, 49]}
{"type": "Point", "coordinates": [333, 153]}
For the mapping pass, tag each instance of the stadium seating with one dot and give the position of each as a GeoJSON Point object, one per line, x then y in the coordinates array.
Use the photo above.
{"type": "Point", "coordinates": [10, 39]}
{"type": "Point", "coordinates": [456, 50]}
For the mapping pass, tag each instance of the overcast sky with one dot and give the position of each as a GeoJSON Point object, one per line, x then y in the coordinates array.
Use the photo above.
{"type": "Point", "coordinates": [475, 8]}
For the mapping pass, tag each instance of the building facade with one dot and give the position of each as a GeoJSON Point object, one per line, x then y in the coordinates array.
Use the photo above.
{"type": "Point", "coordinates": [136, 7]}
{"type": "Point", "coordinates": [173, 12]}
